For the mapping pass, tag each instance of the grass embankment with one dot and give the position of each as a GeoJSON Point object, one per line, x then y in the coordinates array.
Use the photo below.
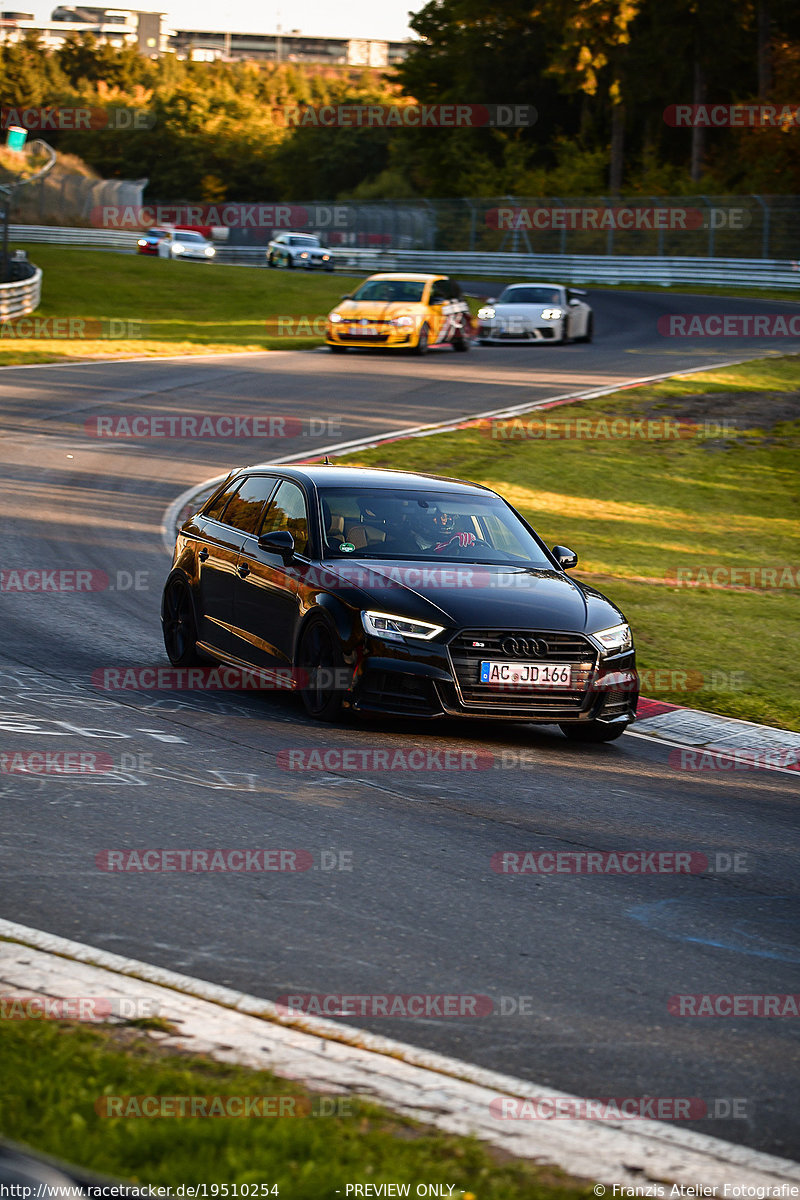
{"type": "Point", "coordinates": [640, 512]}
{"type": "Point", "coordinates": [55, 1074]}
{"type": "Point", "coordinates": [170, 308]}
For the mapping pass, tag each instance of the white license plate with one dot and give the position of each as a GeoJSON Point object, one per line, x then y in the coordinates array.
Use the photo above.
{"type": "Point", "coordinates": [554, 675]}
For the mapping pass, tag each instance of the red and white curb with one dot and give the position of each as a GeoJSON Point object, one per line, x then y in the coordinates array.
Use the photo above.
{"type": "Point", "coordinates": [450, 1095]}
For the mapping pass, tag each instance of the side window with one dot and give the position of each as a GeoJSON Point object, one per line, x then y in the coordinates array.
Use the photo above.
{"type": "Point", "coordinates": [244, 509]}
{"type": "Point", "coordinates": [288, 511]}
{"type": "Point", "coordinates": [439, 291]}
{"type": "Point", "coordinates": [216, 506]}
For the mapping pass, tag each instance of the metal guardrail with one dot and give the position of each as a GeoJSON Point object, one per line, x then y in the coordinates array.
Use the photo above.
{"type": "Point", "coordinates": [564, 268]}
{"type": "Point", "coordinates": [19, 299]}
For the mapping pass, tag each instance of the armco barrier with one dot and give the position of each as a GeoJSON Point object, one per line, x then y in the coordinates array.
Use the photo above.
{"type": "Point", "coordinates": [562, 268]}
{"type": "Point", "coordinates": [18, 299]}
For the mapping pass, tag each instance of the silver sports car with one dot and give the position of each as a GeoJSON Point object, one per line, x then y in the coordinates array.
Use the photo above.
{"type": "Point", "coordinates": [536, 312]}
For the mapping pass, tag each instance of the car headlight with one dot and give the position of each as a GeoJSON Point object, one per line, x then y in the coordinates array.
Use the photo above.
{"type": "Point", "coordinates": [485, 314]}
{"type": "Point", "coordinates": [552, 314]}
{"type": "Point", "coordinates": [335, 318]}
{"type": "Point", "coordinates": [394, 629]}
{"type": "Point", "coordinates": [404, 322]}
{"type": "Point", "coordinates": [210, 251]}
{"type": "Point", "coordinates": [142, 242]}
{"type": "Point", "coordinates": [304, 254]}
{"type": "Point", "coordinates": [325, 257]}
{"type": "Point", "coordinates": [177, 248]}
{"type": "Point", "coordinates": [618, 637]}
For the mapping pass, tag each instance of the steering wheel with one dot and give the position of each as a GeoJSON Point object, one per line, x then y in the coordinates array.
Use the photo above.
{"type": "Point", "coordinates": [458, 547]}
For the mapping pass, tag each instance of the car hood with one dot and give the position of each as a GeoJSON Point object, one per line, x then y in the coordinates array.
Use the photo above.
{"type": "Point", "coordinates": [464, 594]}
{"type": "Point", "coordinates": [524, 310]}
{"type": "Point", "coordinates": [377, 310]}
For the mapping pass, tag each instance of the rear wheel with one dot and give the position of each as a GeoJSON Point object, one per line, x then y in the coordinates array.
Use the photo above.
{"type": "Point", "coordinates": [290, 262]}
{"type": "Point", "coordinates": [270, 260]}
{"type": "Point", "coordinates": [592, 731]}
{"type": "Point", "coordinates": [422, 341]}
{"type": "Point", "coordinates": [180, 628]}
{"type": "Point", "coordinates": [321, 662]}
{"type": "Point", "coordinates": [461, 342]}
{"type": "Point", "coordinates": [587, 337]}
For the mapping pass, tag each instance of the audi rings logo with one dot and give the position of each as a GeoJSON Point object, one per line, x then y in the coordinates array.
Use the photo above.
{"type": "Point", "coordinates": [523, 647]}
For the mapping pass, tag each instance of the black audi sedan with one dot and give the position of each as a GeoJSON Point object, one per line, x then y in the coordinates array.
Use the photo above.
{"type": "Point", "coordinates": [396, 592]}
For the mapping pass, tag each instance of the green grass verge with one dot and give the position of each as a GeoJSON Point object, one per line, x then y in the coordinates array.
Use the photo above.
{"type": "Point", "coordinates": [639, 511]}
{"type": "Point", "coordinates": [179, 307]}
{"type": "Point", "coordinates": [182, 308]}
{"type": "Point", "coordinates": [54, 1073]}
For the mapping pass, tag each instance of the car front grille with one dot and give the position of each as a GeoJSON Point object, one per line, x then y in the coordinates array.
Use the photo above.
{"type": "Point", "coordinates": [363, 337]}
{"type": "Point", "coordinates": [560, 647]}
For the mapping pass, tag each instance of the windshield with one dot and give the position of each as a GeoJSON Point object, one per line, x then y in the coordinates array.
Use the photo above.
{"type": "Point", "coordinates": [530, 295]}
{"type": "Point", "coordinates": [304, 241]}
{"type": "Point", "coordinates": [423, 525]}
{"type": "Point", "coordinates": [181, 236]}
{"type": "Point", "coordinates": [408, 291]}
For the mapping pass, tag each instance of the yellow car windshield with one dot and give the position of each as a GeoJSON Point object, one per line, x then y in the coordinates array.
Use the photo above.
{"type": "Point", "coordinates": [390, 291]}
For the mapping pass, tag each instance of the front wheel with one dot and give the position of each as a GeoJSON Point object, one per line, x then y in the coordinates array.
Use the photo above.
{"type": "Point", "coordinates": [320, 663]}
{"type": "Point", "coordinates": [592, 731]}
{"type": "Point", "coordinates": [180, 628]}
{"type": "Point", "coordinates": [337, 349]}
{"type": "Point", "coordinates": [422, 341]}
{"type": "Point", "coordinates": [270, 260]}
{"type": "Point", "coordinates": [461, 342]}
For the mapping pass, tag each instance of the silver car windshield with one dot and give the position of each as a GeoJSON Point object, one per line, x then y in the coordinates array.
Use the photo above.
{"type": "Point", "coordinates": [425, 525]}
{"type": "Point", "coordinates": [530, 295]}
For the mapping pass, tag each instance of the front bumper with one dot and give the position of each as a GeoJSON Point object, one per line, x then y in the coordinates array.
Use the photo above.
{"type": "Point", "coordinates": [391, 337]}
{"type": "Point", "coordinates": [549, 331]}
{"type": "Point", "coordinates": [442, 679]}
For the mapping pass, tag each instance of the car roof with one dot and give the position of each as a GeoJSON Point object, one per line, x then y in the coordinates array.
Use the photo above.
{"type": "Point", "coordinates": [533, 283]}
{"type": "Point", "coordinates": [331, 475]}
{"type": "Point", "coordinates": [405, 276]}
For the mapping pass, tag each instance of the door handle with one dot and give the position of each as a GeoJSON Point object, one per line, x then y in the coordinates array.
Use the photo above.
{"type": "Point", "coordinates": [203, 555]}
{"type": "Point", "coordinates": [243, 570]}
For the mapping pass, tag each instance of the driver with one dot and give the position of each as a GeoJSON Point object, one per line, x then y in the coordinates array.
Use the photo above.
{"type": "Point", "coordinates": [439, 532]}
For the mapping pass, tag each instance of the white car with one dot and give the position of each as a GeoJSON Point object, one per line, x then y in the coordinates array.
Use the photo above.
{"type": "Point", "coordinates": [184, 243]}
{"type": "Point", "coordinates": [299, 250]}
{"type": "Point", "coordinates": [536, 312]}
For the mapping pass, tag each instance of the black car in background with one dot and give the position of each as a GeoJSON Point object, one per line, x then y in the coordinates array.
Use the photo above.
{"type": "Point", "coordinates": [396, 592]}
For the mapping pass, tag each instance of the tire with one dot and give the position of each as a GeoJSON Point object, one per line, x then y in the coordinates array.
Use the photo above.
{"type": "Point", "coordinates": [290, 262]}
{"type": "Point", "coordinates": [592, 731]}
{"type": "Point", "coordinates": [330, 270]}
{"type": "Point", "coordinates": [179, 624]}
{"type": "Point", "coordinates": [319, 650]}
{"type": "Point", "coordinates": [587, 337]}
{"type": "Point", "coordinates": [422, 341]}
{"type": "Point", "coordinates": [484, 342]}
{"type": "Point", "coordinates": [337, 349]}
{"type": "Point", "coordinates": [271, 261]}
{"type": "Point", "coordinates": [461, 343]}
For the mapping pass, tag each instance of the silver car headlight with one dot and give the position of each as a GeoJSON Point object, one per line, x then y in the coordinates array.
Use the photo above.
{"type": "Point", "coordinates": [177, 248]}
{"type": "Point", "coordinates": [617, 637]}
{"type": "Point", "coordinates": [552, 314]}
{"type": "Point", "coordinates": [209, 251]}
{"type": "Point", "coordinates": [394, 629]}
{"type": "Point", "coordinates": [485, 314]}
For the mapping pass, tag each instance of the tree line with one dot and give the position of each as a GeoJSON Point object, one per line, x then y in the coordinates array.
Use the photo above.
{"type": "Point", "coordinates": [606, 79]}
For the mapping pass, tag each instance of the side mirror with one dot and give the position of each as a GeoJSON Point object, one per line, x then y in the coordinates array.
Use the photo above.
{"type": "Point", "coordinates": [490, 300]}
{"type": "Point", "coordinates": [280, 541]}
{"type": "Point", "coordinates": [565, 557]}
{"type": "Point", "coordinates": [346, 296]}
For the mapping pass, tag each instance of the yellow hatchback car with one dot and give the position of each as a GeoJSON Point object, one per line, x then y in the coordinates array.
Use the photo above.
{"type": "Point", "coordinates": [403, 312]}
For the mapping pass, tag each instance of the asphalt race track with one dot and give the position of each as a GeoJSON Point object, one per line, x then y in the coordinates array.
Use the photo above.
{"type": "Point", "coordinates": [580, 968]}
